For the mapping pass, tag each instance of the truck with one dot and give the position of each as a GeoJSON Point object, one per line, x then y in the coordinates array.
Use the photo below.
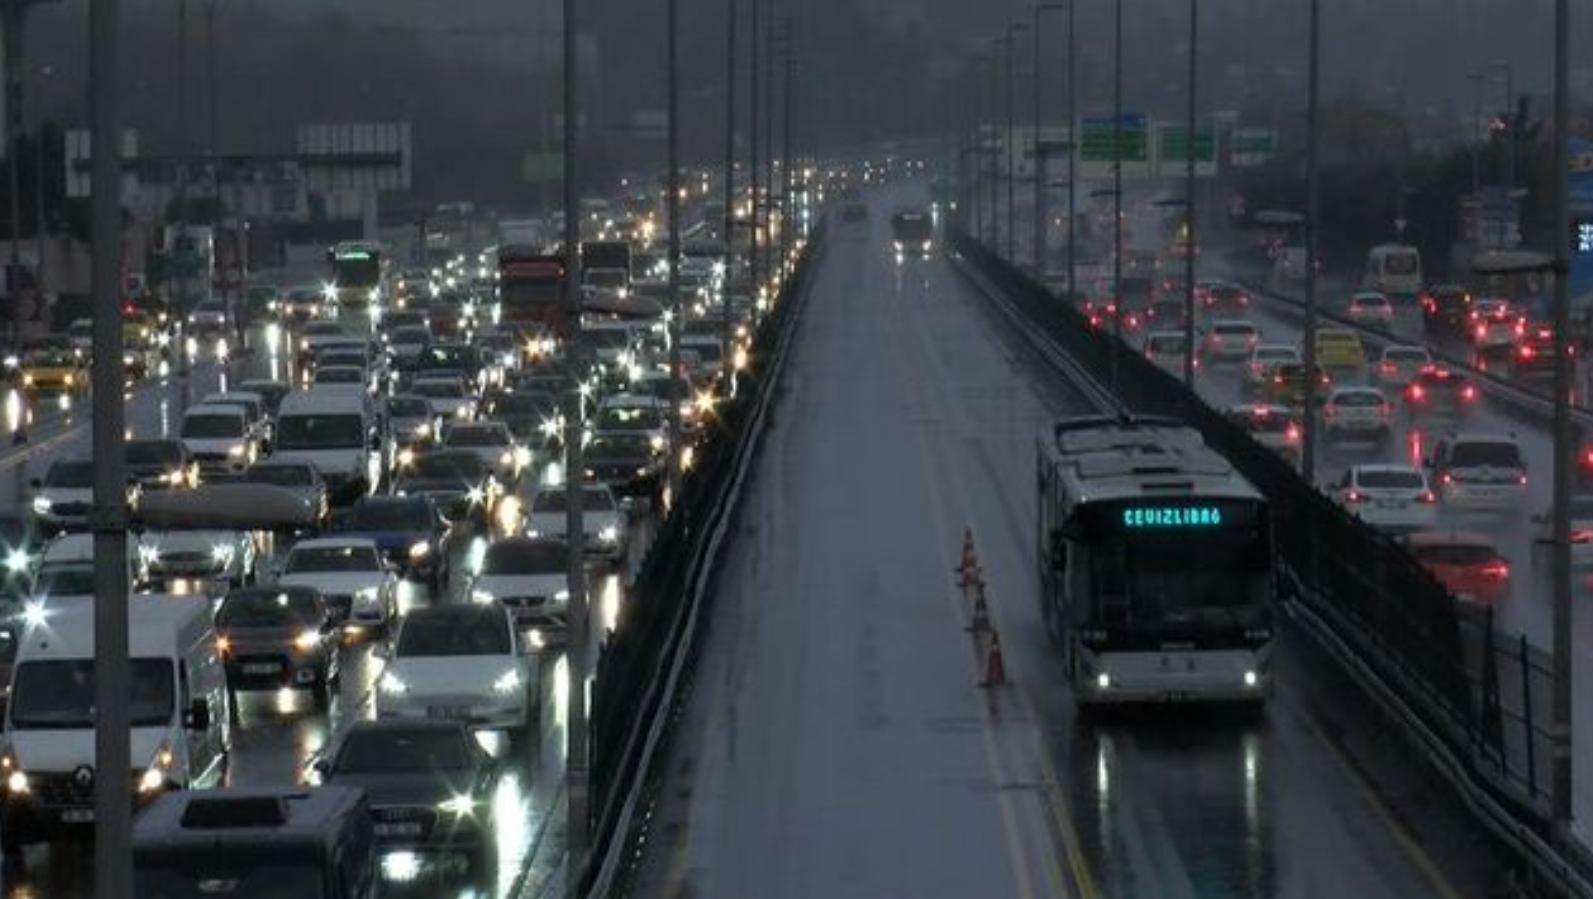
{"type": "Point", "coordinates": [531, 290]}
{"type": "Point", "coordinates": [606, 264]}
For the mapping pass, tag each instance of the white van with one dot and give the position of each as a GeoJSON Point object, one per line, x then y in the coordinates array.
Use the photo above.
{"type": "Point", "coordinates": [337, 432]}
{"type": "Point", "coordinates": [179, 714]}
{"type": "Point", "coordinates": [1393, 268]}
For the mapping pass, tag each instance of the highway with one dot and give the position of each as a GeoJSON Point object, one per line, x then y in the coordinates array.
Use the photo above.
{"type": "Point", "coordinates": [835, 741]}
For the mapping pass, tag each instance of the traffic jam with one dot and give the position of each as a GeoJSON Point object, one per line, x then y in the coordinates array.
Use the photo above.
{"type": "Point", "coordinates": [348, 544]}
{"type": "Point", "coordinates": [1412, 439]}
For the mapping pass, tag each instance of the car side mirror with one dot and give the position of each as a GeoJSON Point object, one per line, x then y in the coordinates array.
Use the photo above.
{"type": "Point", "coordinates": [198, 716]}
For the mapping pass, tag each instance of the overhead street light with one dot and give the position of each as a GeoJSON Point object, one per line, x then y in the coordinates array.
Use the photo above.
{"type": "Point", "coordinates": [1040, 227]}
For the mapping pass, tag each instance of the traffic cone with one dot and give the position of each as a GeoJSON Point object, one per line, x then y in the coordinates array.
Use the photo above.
{"type": "Point", "coordinates": [967, 570]}
{"type": "Point", "coordinates": [995, 666]}
{"type": "Point", "coordinates": [981, 613]}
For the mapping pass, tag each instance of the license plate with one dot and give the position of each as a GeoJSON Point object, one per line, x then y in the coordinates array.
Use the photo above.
{"type": "Point", "coordinates": [1387, 504]}
{"type": "Point", "coordinates": [447, 711]}
{"type": "Point", "coordinates": [262, 668]}
{"type": "Point", "coordinates": [77, 816]}
{"type": "Point", "coordinates": [399, 829]}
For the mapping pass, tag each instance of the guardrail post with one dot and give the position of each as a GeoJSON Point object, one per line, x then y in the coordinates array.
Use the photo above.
{"type": "Point", "coordinates": [1526, 718]}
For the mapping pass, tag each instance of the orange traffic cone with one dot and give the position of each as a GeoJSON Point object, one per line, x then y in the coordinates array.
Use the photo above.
{"type": "Point", "coordinates": [995, 667]}
{"type": "Point", "coordinates": [981, 613]}
{"type": "Point", "coordinates": [967, 570]}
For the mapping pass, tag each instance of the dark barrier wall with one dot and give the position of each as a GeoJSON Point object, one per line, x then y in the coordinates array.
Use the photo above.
{"type": "Point", "coordinates": [1439, 656]}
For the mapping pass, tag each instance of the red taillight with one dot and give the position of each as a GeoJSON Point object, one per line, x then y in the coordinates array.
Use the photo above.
{"type": "Point", "coordinates": [1496, 570]}
{"type": "Point", "coordinates": [1482, 331]}
{"type": "Point", "coordinates": [1427, 496]}
{"type": "Point", "coordinates": [1416, 392]}
{"type": "Point", "coordinates": [1354, 496]}
{"type": "Point", "coordinates": [1581, 535]}
{"type": "Point", "coordinates": [1389, 368]}
{"type": "Point", "coordinates": [1447, 478]}
{"type": "Point", "coordinates": [1292, 434]}
{"type": "Point", "coordinates": [1468, 393]}
{"type": "Point", "coordinates": [1253, 338]}
{"type": "Point", "coordinates": [1587, 459]}
{"type": "Point", "coordinates": [1528, 352]}
{"type": "Point", "coordinates": [1523, 479]}
{"type": "Point", "coordinates": [1277, 379]}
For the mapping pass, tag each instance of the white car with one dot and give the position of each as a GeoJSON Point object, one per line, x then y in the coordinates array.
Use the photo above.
{"type": "Point", "coordinates": [448, 396]}
{"type": "Point", "coordinates": [492, 443]}
{"type": "Point", "coordinates": [634, 414]}
{"type": "Point", "coordinates": [1480, 471]}
{"type": "Point", "coordinates": [198, 561]}
{"type": "Point", "coordinates": [63, 497]}
{"type": "Point", "coordinates": [220, 438]}
{"type": "Point", "coordinates": [603, 521]}
{"type": "Point", "coordinates": [1231, 339]}
{"type": "Point", "coordinates": [1401, 364]}
{"type": "Point", "coordinates": [359, 588]}
{"type": "Point", "coordinates": [1391, 497]}
{"type": "Point", "coordinates": [1273, 426]}
{"type": "Point", "coordinates": [529, 577]}
{"type": "Point", "coordinates": [1165, 350]}
{"type": "Point", "coordinates": [1581, 528]}
{"type": "Point", "coordinates": [1265, 359]}
{"type": "Point", "coordinates": [462, 662]}
{"type": "Point", "coordinates": [1357, 413]}
{"type": "Point", "coordinates": [342, 377]}
{"type": "Point", "coordinates": [1372, 309]}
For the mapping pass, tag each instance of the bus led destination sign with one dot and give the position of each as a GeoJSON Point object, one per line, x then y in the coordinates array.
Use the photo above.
{"type": "Point", "coordinates": [1172, 517]}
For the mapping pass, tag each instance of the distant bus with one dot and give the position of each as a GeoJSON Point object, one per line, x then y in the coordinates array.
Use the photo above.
{"type": "Point", "coordinates": [359, 278]}
{"type": "Point", "coordinates": [531, 289]}
{"type": "Point", "coordinates": [1156, 565]}
{"type": "Point", "coordinates": [1394, 269]}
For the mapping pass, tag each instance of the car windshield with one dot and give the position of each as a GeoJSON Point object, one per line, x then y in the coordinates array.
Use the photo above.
{"type": "Point", "coordinates": [154, 453]}
{"type": "Point", "coordinates": [1268, 422]}
{"type": "Point", "coordinates": [630, 418]}
{"type": "Point", "coordinates": [390, 515]}
{"type": "Point", "coordinates": [1479, 454]}
{"type": "Point", "coordinates": [267, 608]}
{"type": "Point", "coordinates": [408, 407]}
{"type": "Point", "coordinates": [1361, 399]}
{"type": "Point", "coordinates": [1582, 507]}
{"type": "Point", "coordinates": [1276, 355]}
{"type": "Point", "coordinates": [205, 426]}
{"type": "Point", "coordinates": [332, 560]}
{"type": "Point", "coordinates": [280, 475]}
{"type": "Point", "coordinates": [59, 694]}
{"type": "Point", "coordinates": [592, 500]}
{"type": "Point", "coordinates": [246, 878]}
{"type": "Point", "coordinates": [477, 435]}
{"type": "Point", "coordinates": [311, 431]}
{"type": "Point", "coordinates": [339, 375]}
{"type": "Point", "coordinates": [442, 390]}
{"type": "Point", "coordinates": [1389, 479]}
{"type": "Point", "coordinates": [448, 465]}
{"type": "Point", "coordinates": [1165, 343]}
{"type": "Point", "coordinates": [524, 557]}
{"type": "Point", "coordinates": [70, 475]}
{"type": "Point", "coordinates": [393, 750]}
{"type": "Point", "coordinates": [66, 580]}
{"type": "Point", "coordinates": [451, 634]}
{"type": "Point", "coordinates": [1453, 554]}
{"type": "Point", "coordinates": [1237, 328]}
{"type": "Point", "coordinates": [411, 334]}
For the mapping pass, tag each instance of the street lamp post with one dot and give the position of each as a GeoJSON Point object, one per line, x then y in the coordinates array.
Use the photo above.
{"type": "Point", "coordinates": [1117, 189]}
{"type": "Point", "coordinates": [672, 210]}
{"type": "Point", "coordinates": [1009, 145]}
{"type": "Point", "coordinates": [1560, 726]}
{"type": "Point", "coordinates": [1040, 224]}
{"type": "Point", "coordinates": [1312, 213]}
{"type": "Point", "coordinates": [577, 770]}
{"type": "Point", "coordinates": [725, 330]}
{"type": "Point", "coordinates": [1073, 150]}
{"type": "Point", "coordinates": [1189, 200]}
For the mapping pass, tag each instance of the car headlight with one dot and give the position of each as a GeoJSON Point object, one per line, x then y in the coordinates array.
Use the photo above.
{"type": "Point", "coordinates": [507, 458]}
{"type": "Point", "coordinates": [221, 554]}
{"type": "Point", "coordinates": [27, 379]}
{"type": "Point", "coordinates": [17, 782]}
{"type": "Point", "coordinates": [420, 549]}
{"type": "Point", "coordinates": [562, 596]}
{"type": "Point", "coordinates": [522, 457]}
{"type": "Point", "coordinates": [366, 594]}
{"type": "Point", "coordinates": [69, 379]}
{"type": "Point", "coordinates": [42, 504]}
{"type": "Point", "coordinates": [459, 805]}
{"type": "Point", "coordinates": [175, 477]}
{"type": "Point", "coordinates": [154, 776]}
{"type": "Point", "coordinates": [609, 534]}
{"type": "Point", "coordinates": [423, 431]}
{"type": "Point", "coordinates": [237, 450]}
{"type": "Point", "coordinates": [391, 685]}
{"type": "Point", "coordinates": [656, 441]}
{"type": "Point", "coordinates": [507, 683]}
{"type": "Point", "coordinates": [406, 458]}
{"type": "Point", "coordinates": [462, 410]}
{"type": "Point", "coordinates": [482, 596]}
{"type": "Point", "coordinates": [307, 640]}
{"type": "Point", "coordinates": [475, 495]}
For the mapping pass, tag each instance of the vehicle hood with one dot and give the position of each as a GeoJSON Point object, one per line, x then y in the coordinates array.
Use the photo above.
{"type": "Point", "coordinates": [67, 494]}
{"type": "Point", "coordinates": [453, 675]}
{"type": "Point", "coordinates": [335, 583]}
{"type": "Point", "coordinates": [502, 585]}
{"type": "Point", "coordinates": [67, 750]}
{"type": "Point", "coordinates": [164, 542]}
{"type": "Point", "coordinates": [407, 788]}
{"type": "Point", "coordinates": [389, 540]}
{"type": "Point", "coordinates": [341, 460]}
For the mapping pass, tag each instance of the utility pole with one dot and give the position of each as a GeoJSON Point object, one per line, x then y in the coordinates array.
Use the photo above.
{"type": "Point", "coordinates": [725, 330]}
{"type": "Point", "coordinates": [786, 228]}
{"type": "Point", "coordinates": [1073, 150]}
{"type": "Point", "coordinates": [1117, 189]}
{"type": "Point", "coordinates": [1013, 29]}
{"type": "Point", "coordinates": [1041, 226]}
{"type": "Point", "coordinates": [1312, 212]}
{"type": "Point", "coordinates": [1476, 143]}
{"type": "Point", "coordinates": [113, 801]}
{"type": "Point", "coordinates": [14, 11]}
{"type": "Point", "coordinates": [1560, 726]}
{"type": "Point", "coordinates": [672, 210]}
{"type": "Point", "coordinates": [577, 763]}
{"type": "Point", "coordinates": [753, 201]}
{"type": "Point", "coordinates": [1189, 201]}
{"type": "Point", "coordinates": [767, 58]}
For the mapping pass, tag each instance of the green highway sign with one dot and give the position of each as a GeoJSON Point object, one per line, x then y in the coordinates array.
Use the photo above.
{"type": "Point", "coordinates": [1175, 145]}
{"type": "Point", "coordinates": [1098, 141]}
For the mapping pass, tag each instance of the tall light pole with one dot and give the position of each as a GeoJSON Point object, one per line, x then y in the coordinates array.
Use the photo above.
{"type": "Point", "coordinates": [725, 330]}
{"type": "Point", "coordinates": [993, 200]}
{"type": "Point", "coordinates": [754, 265]}
{"type": "Point", "coordinates": [1560, 727]}
{"type": "Point", "coordinates": [672, 212]}
{"type": "Point", "coordinates": [1040, 224]}
{"type": "Point", "coordinates": [577, 770]}
{"type": "Point", "coordinates": [1312, 213]}
{"type": "Point", "coordinates": [1073, 149]}
{"type": "Point", "coordinates": [1117, 188]}
{"type": "Point", "coordinates": [1189, 201]}
{"type": "Point", "coordinates": [1476, 142]}
{"type": "Point", "coordinates": [1009, 145]}
{"type": "Point", "coordinates": [113, 812]}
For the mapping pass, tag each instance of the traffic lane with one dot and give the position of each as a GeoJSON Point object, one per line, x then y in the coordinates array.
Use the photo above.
{"type": "Point", "coordinates": [1177, 802]}
{"type": "Point", "coordinates": [833, 742]}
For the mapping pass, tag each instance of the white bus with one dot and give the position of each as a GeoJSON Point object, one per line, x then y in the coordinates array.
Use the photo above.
{"type": "Point", "coordinates": [1156, 565]}
{"type": "Point", "coordinates": [1394, 269]}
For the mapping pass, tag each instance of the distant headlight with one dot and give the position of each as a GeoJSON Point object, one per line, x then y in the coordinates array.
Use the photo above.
{"type": "Point", "coordinates": [562, 596]}
{"type": "Point", "coordinates": [609, 534]}
{"type": "Point", "coordinates": [307, 640]}
{"type": "Point", "coordinates": [366, 594]}
{"type": "Point", "coordinates": [42, 504]}
{"type": "Point", "coordinates": [237, 450]}
{"type": "Point", "coordinates": [460, 806]}
{"type": "Point", "coordinates": [221, 554]}
{"type": "Point", "coordinates": [391, 685]}
{"type": "Point", "coordinates": [475, 496]}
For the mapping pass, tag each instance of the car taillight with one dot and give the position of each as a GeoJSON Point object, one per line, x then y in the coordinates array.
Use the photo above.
{"type": "Point", "coordinates": [1581, 535]}
{"type": "Point", "coordinates": [1330, 410]}
{"type": "Point", "coordinates": [1427, 496]}
{"type": "Point", "coordinates": [1292, 434]}
{"type": "Point", "coordinates": [1528, 352]}
{"type": "Point", "coordinates": [1468, 393]}
{"type": "Point", "coordinates": [1416, 392]}
{"type": "Point", "coordinates": [1482, 331]}
{"type": "Point", "coordinates": [1389, 368]}
{"type": "Point", "coordinates": [1497, 570]}
{"type": "Point", "coordinates": [1354, 496]}
{"type": "Point", "coordinates": [1523, 479]}
{"type": "Point", "coordinates": [1277, 379]}
{"type": "Point", "coordinates": [1447, 478]}
{"type": "Point", "coordinates": [1587, 459]}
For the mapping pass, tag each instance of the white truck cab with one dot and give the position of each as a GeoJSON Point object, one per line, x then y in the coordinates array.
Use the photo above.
{"type": "Point", "coordinates": [337, 432]}
{"type": "Point", "coordinates": [178, 711]}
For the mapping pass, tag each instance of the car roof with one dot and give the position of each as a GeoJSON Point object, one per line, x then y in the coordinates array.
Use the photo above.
{"type": "Point", "coordinates": [335, 543]}
{"type": "Point", "coordinates": [1384, 467]}
{"type": "Point", "coordinates": [1355, 388]}
{"type": "Point", "coordinates": [1448, 538]}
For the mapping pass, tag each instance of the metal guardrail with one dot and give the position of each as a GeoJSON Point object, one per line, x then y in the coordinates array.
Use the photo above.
{"type": "Point", "coordinates": [643, 664]}
{"type": "Point", "coordinates": [1475, 702]}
